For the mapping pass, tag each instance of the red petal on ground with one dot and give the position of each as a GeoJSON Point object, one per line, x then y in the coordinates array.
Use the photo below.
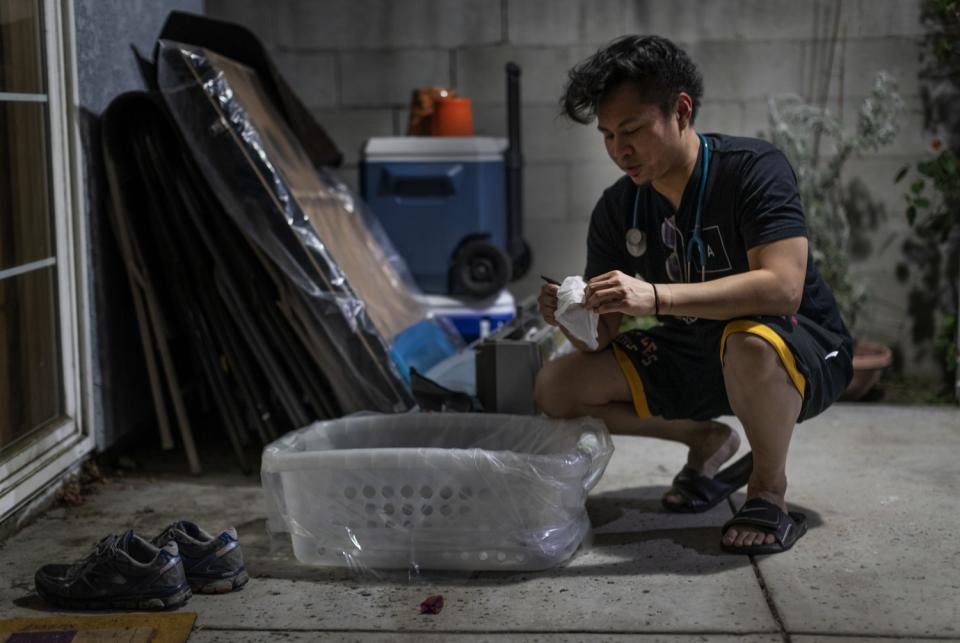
{"type": "Point", "coordinates": [432, 605]}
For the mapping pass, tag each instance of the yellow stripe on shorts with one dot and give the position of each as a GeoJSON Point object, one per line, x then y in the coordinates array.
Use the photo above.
{"type": "Point", "coordinates": [633, 379]}
{"type": "Point", "coordinates": [767, 333]}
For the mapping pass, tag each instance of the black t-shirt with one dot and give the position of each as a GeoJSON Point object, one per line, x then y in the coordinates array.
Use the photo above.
{"type": "Point", "coordinates": [750, 198]}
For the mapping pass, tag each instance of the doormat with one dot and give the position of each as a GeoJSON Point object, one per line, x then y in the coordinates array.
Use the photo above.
{"type": "Point", "coordinates": [106, 628]}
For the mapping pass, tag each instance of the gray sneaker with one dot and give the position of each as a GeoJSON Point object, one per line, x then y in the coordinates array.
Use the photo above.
{"type": "Point", "coordinates": [123, 572]}
{"type": "Point", "coordinates": [214, 565]}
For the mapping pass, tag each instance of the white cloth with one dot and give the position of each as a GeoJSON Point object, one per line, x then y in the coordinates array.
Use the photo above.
{"type": "Point", "coordinates": [580, 321]}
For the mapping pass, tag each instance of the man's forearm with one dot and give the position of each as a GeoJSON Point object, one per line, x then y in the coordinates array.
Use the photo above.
{"type": "Point", "coordinates": [757, 292]}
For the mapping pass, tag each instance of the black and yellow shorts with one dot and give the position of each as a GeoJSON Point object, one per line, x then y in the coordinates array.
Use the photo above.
{"type": "Point", "coordinates": [676, 370]}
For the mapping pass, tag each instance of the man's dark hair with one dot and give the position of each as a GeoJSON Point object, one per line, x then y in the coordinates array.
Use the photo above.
{"type": "Point", "coordinates": [658, 68]}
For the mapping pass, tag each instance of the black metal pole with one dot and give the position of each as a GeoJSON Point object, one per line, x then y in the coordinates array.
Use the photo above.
{"type": "Point", "coordinates": [516, 247]}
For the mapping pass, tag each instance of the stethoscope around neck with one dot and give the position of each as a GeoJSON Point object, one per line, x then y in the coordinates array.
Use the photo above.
{"type": "Point", "coordinates": [637, 240]}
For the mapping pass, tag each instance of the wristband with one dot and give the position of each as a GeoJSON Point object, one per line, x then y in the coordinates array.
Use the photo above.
{"type": "Point", "coordinates": [656, 300]}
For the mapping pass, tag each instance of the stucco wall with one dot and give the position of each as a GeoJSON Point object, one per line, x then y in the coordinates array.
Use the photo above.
{"type": "Point", "coordinates": [355, 61]}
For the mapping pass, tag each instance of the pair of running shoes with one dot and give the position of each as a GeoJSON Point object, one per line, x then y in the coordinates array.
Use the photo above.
{"type": "Point", "coordinates": [128, 572]}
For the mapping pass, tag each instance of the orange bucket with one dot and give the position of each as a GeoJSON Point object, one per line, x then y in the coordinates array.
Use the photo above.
{"type": "Point", "coordinates": [452, 117]}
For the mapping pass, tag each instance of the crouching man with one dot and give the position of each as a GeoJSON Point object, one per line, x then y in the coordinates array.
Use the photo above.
{"type": "Point", "coordinates": [707, 232]}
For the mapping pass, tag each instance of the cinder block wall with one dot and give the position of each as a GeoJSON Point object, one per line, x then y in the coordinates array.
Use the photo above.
{"type": "Point", "coordinates": [354, 62]}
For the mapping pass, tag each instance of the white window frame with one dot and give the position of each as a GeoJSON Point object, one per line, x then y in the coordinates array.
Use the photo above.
{"type": "Point", "coordinates": [47, 453]}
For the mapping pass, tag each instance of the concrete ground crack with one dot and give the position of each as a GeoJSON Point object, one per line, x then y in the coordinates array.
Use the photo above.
{"type": "Point", "coordinates": [770, 604]}
{"type": "Point", "coordinates": [766, 591]}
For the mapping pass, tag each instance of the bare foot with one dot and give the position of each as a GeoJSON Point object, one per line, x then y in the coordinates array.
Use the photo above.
{"type": "Point", "coordinates": [717, 444]}
{"type": "Point", "coordinates": [744, 536]}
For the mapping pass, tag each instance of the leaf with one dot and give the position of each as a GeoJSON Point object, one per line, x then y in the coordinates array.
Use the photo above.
{"type": "Point", "coordinates": [922, 202]}
{"type": "Point", "coordinates": [950, 166]}
{"type": "Point", "coordinates": [911, 215]}
{"type": "Point", "coordinates": [902, 173]}
{"type": "Point", "coordinates": [917, 186]}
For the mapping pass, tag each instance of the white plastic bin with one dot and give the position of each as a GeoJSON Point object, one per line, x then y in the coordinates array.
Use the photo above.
{"type": "Point", "coordinates": [435, 490]}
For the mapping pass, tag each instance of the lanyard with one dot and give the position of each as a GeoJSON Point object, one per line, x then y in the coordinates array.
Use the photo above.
{"type": "Point", "coordinates": [636, 240]}
{"type": "Point", "coordinates": [696, 241]}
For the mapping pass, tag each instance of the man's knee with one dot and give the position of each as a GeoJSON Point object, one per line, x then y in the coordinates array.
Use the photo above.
{"type": "Point", "coordinates": [552, 391]}
{"type": "Point", "coordinates": [748, 356]}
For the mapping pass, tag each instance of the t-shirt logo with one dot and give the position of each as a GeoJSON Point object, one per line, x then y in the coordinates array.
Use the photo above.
{"type": "Point", "coordinates": [717, 258]}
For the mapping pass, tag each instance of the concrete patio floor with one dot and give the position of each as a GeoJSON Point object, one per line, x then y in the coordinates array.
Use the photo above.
{"type": "Point", "coordinates": [879, 485]}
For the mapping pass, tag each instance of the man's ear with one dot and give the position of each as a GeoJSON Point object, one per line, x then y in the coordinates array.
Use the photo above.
{"type": "Point", "coordinates": [684, 110]}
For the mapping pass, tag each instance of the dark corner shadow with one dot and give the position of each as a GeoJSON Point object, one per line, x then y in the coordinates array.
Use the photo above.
{"type": "Point", "coordinates": [32, 601]}
{"type": "Point", "coordinates": [635, 552]}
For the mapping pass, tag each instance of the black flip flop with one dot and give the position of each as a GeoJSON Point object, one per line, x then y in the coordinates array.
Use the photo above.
{"type": "Point", "coordinates": [770, 519]}
{"type": "Point", "coordinates": [701, 493]}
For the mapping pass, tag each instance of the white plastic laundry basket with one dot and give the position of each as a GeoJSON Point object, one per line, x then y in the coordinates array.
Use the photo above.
{"type": "Point", "coordinates": [435, 490]}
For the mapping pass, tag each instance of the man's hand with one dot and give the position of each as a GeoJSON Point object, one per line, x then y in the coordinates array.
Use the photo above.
{"type": "Point", "coordinates": [615, 292]}
{"type": "Point", "coordinates": [606, 330]}
{"type": "Point", "coordinates": [547, 303]}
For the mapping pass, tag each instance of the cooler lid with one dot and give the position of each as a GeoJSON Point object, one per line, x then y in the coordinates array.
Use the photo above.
{"type": "Point", "coordinates": [499, 304]}
{"type": "Point", "coordinates": [434, 148]}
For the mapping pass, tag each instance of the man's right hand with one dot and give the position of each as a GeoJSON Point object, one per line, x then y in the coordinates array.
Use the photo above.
{"type": "Point", "coordinates": [547, 302]}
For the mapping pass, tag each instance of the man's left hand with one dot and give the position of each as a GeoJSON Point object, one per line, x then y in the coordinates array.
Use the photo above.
{"type": "Point", "coordinates": [615, 292]}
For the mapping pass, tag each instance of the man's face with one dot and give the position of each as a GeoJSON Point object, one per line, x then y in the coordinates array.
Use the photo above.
{"type": "Point", "coordinates": [639, 138]}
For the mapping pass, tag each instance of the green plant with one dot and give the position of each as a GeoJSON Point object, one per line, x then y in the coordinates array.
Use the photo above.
{"type": "Point", "coordinates": [938, 212]}
{"type": "Point", "coordinates": [933, 211]}
{"type": "Point", "coordinates": [941, 44]}
{"type": "Point", "coordinates": [817, 147]}
{"type": "Point", "coordinates": [933, 196]}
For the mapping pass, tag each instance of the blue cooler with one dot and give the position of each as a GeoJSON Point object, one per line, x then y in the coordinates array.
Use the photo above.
{"type": "Point", "coordinates": [473, 318]}
{"type": "Point", "coordinates": [442, 201]}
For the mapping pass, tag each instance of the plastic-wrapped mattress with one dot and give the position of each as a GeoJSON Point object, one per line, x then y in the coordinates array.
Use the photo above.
{"type": "Point", "coordinates": [351, 285]}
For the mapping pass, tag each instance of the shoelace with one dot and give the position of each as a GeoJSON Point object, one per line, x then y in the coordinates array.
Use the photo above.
{"type": "Point", "coordinates": [106, 544]}
{"type": "Point", "coordinates": [167, 535]}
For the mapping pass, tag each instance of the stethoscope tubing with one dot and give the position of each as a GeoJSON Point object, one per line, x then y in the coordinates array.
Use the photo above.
{"type": "Point", "coordinates": [696, 241]}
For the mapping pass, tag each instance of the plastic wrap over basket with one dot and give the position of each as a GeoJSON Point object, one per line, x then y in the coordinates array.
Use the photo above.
{"type": "Point", "coordinates": [435, 490]}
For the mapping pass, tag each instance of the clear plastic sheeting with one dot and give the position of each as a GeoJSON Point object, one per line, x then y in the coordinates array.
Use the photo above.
{"type": "Point", "coordinates": [353, 295]}
{"type": "Point", "coordinates": [435, 491]}
{"type": "Point", "coordinates": [355, 239]}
